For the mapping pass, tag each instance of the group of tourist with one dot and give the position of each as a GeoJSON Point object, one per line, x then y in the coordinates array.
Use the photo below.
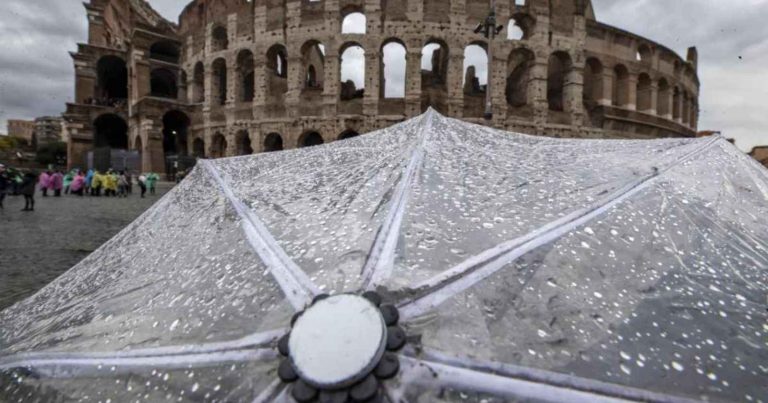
{"type": "Point", "coordinates": [76, 182]}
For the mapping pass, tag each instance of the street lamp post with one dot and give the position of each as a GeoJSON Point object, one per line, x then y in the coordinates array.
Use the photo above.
{"type": "Point", "coordinates": [489, 30]}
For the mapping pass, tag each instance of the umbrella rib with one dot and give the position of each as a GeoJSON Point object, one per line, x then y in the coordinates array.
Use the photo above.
{"type": "Point", "coordinates": [519, 382]}
{"type": "Point", "coordinates": [471, 271]}
{"type": "Point", "coordinates": [235, 350]}
{"type": "Point", "coordinates": [296, 285]}
{"type": "Point", "coordinates": [381, 258]}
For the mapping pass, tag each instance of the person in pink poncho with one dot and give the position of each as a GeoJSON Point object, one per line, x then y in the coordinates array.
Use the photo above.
{"type": "Point", "coordinates": [78, 184]}
{"type": "Point", "coordinates": [45, 182]}
{"type": "Point", "coordinates": [57, 183]}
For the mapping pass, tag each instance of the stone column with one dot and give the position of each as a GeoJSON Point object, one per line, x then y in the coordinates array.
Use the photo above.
{"type": "Point", "coordinates": [295, 81]}
{"type": "Point", "coordinates": [654, 94]}
{"type": "Point", "coordinates": [454, 80]}
{"type": "Point", "coordinates": [537, 91]}
{"type": "Point", "coordinates": [573, 96]}
{"type": "Point", "coordinates": [331, 86]}
{"type": "Point", "coordinates": [372, 82]}
{"type": "Point", "coordinates": [413, 80]}
{"type": "Point", "coordinates": [607, 97]}
{"type": "Point", "coordinates": [631, 101]}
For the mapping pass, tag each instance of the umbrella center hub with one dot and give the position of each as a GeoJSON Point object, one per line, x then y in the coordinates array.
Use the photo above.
{"type": "Point", "coordinates": [338, 341]}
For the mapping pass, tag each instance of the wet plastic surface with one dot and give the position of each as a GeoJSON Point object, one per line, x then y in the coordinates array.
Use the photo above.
{"type": "Point", "coordinates": [618, 269]}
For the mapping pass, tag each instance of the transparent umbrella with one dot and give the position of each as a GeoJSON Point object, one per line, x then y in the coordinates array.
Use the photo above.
{"type": "Point", "coordinates": [435, 260]}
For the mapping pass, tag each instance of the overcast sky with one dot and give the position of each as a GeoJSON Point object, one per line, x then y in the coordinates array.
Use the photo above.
{"type": "Point", "coordinates": [37, 76]}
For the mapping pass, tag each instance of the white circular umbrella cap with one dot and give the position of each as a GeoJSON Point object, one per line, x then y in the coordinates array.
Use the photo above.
{"type": "Point", "coordinates": [337, 341]}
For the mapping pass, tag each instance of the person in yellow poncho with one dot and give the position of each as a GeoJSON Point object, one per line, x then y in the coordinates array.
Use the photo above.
{"type": "Point", "coordinates": [110, 183]}
{"type": "Point", "coordinates": [96, 183]}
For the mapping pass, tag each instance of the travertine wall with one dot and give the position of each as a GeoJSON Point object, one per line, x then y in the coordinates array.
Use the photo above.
{"type": "Point", "coordinates": [243, 72]}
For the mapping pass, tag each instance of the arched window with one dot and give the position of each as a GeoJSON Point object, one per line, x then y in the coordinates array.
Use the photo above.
{"type": "Point", "coordinates": [676, 104]}
{"type": "Point", "coordinates": [393, 70]}
{"type": "Point", "coordinates": [175, 127]}
{"type": "Point", "coordinates": [219, 39]}
{"type": "Point", "coordinates": [273, 142]}
{"type": "Point", "coordinates": [352, 72]}
{"type": "Point", "coordinates": [644, 95]}
{"type": "Point", "coordinates": [353, 23]}
{"type": "Point", "coordinates": [112, 83]}
{"type": "Point", "coordinates": [475, 69]}
{"type": "Point", "coordinates": [434, 64]}
{"type": "Point", "coordinates": [163, 83]}
{"type": "Point", "coordinates": [243, 143]}
{"type": "Point", "coordinates": [557, 75]}
{"type": "Point", "coordinates": [310, 139]}
{"type": "Point", "coordinates": [198, 83]}
{"type": "Point", "coordinates": [644, 54]}
{"type": "Point", "coordinates": [620, 86]}
{"type": "Point", "coordinates": [686, 113]}
{"type": "Point", "coordinates": [664, 99]}
{"type": "Point", "coordinates": [218, 146]}
{"type": "Point", "coordinates": [110, 131]}
{"type": "Point", "coordinates": [593, 82]}
{"type": "Point", "coordinates": [219, 82]}
{"type": "Point", "coordinates": [313, 63]}
{"type": "Point", "coordinates": [198, 148]}
{"type": "Point", "coordinates": [518, 76]}
{"type": "Point", "coordinates": [165, 51]}
{"type": "Point", "coordinates": [276, 61]}
{"type": "Point", "coordinates": [245, 76]}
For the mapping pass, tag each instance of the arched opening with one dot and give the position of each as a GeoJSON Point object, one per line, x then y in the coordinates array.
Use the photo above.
{"type": "Point", "coordinates": [518, 76]}
{"type": "Point", "coordinates": [557, 74]}
{"type": "Point", "coordinates": [352, 72]}
{"type": "Point", "coordinates": [519, 27]}
{"type": "Point", "coordinates": [219, 39]}
{"type": "Point", "coordinates": [276, 80]}
{"type": "Point", "coordinates": [198, 84]}
{"type": "Point", "coordinates": [243, 143]}
{"type": "Point", "coordinates": [644, 103]}
{"type": "Point", "coordinates": [110, 131]}
{"type": "Point", "coordinates": [644, 54]}
{"type": "Point", "coordinates": [166, 51]}
{"type": "Point", "coordinates": [138, 146]}
{"type": "Point", "coordinates": [276, 61]}
{"type": "Point", "coordinates": [393, 66]}
{"type": "Point", "coordinates": [313, 60]}
{"type": "Point", "coordinates": [112, 83]}
{"type": "Point", "coordinates": [686, 113]}
{"type": "Point", "coordinates": [676, 104]}
{"type": "Point", "coordinates": [662, 104]}
{"type": "Point", "coordinates": [475, 80]}
{"type": "Point", "coordinates": [219, 82]}
{"type": "Point", "coordinates": [198, 148]}
{"type": "Point", "coordinates": [175, 129]}
{"type": "Point", "coordinates": [273, 142]}
{"type": "Point", "coordinates": [311, 79]}
{"type": "Point", "coordinates": [593, 82]}
{"type": "Point", "coordinates": [162, 84]}
{"type": "Point", "coordinates": [310, 139]}
{"type": "Point", "coordinates": [245, 66]}
{"type": "Point", "coordinates": [620, 86]}
{"type": "Point", "coordinates": [348, 134]}
{"type": "Point", "coordinates": [434, 69]}
{"type": "Point", "coordinates": [218, 146]}
{"type": "Point", "coordinates": [353, 23]}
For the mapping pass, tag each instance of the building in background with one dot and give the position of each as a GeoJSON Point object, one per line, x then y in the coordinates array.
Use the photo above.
{"type": "Point", "coordinates": [48, 129]}
{"type": "Point", "coordinates": [235, 77]}
{"type": "Point", "coordinates": [23, 131]}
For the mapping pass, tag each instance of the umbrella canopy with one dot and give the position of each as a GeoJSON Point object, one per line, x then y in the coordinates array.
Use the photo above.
{"type": "Point", "coordinates": [464, 264]}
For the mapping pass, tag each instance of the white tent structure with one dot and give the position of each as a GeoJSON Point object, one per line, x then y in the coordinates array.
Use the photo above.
{"type": "Point", "coordinates": [504, 267]}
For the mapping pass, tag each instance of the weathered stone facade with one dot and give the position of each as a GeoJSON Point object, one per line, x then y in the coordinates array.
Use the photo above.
{"type": "Point", "coordinates": [242, 76]}
{"type": "Point", "coordinates": [760, 153]}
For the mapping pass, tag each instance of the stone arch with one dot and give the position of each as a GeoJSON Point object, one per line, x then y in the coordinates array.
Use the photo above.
{"type": "Point", "coordinates": [198, 83]}
{"type": "Point", "coordinates": [393, 68]}
{"type": "Point", "coordinates": [593, 82]}
{"type": "Point", "coordinates": [110, 131]}
{"type": "Point", "coordinates": [276, 77]}
{"type": "Point", "coordinates": [112, 78]}
{"type": "Point", "coordinates": [559, 67]}
{"type": "Point", "coordinates": [520, 27]}
{"type": "Point", "coordinates": [620, 93]}
{"type": "Point", "coordinates": [348, 134]}
{"type": "Point", "coordinates": [166, 51]}
{"type": "Point", "coordinates": [644, 93]}
{"type": "Point", "coordinates": [434, 74]}
{"type": "Point", "coordinates": [219, 38]}
{"type": "Point", "coordinates": [353, 22]}
{"type": "Point", "coordinates": [163, 83]}
{"type": "Point", "coordinates": [664, 96]}
{"type": "Point", "coordinates": [175, 130]}
{"type": "Point", "coordinates": [243, 143]}
{"type": "Point", "coordinates": [219, 82]}
{"type": "Point", "coordinates": [352, 74]}
{"type": "Point", "coordinates": [313, 58]}
{"type": "Point", "coordinates": [277, 61]}
{"type": "Point", "coordinates": [218, 146]}
{"type": "Point", "coordinates": [198, 148]}
{"type": "Point", "coordinates": [519, 65]}
{"type": "Point", "coordinates": [644, 54]}
{"type": "Point", "coordinates": [676, 105]}
{"type": "Point", "coordinates": [273, 142]}
{"type": "Point", "coordinates": [310, 139]}
{"type": "Point", "coordinates": [475, 79]}
{"type": "Point", "coordinates": [245, 76]}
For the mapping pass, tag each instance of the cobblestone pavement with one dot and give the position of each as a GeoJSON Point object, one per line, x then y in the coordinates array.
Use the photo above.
{"type": "Point", "coordinates": [37, 247]}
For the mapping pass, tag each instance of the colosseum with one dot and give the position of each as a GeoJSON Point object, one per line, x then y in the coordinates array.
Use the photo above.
{"type": "Point", "coordinates": [235, 77]}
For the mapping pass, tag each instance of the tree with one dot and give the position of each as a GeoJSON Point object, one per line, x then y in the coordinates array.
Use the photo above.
{"type": "Point", "coordinates": [8, 143]}
{"type": "Point", "coordinates": [52, 153]}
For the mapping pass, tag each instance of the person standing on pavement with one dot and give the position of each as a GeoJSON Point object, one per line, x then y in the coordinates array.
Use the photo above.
{"type": "Point", "coordinates": [122, 185]}
{"type": "Point", "coordinates": [88, 181]}
{"type": "Point", "coordinates": [45, 183]}
{"type": "Point", "coordinates": [57, 183]}
{"type": "Point", "coordinates": [68, 178]}
{"type": "Point", "coordinates": [5, 184]}
{"type": "Point", "coordinates": [151, 180]}
{"type": "Point", "coordinates": [28, 190]}
{"type": "Point", "coordinates": [96, 183]}
{"type": "Point", "coordinates": [78, 184]}
{"type": "Point", "coordinates": [143, 185]}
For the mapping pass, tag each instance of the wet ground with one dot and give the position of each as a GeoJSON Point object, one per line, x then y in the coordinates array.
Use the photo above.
{"type": "Point", "coordinates": [36, 247]}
